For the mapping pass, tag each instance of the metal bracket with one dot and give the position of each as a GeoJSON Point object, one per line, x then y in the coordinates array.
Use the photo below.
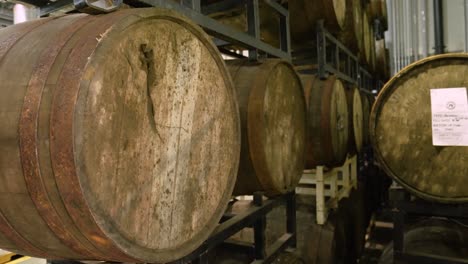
{"type": "Point", "coordinates": [97, 6]}
{"type": "Point", "coordinates": [404, 206]}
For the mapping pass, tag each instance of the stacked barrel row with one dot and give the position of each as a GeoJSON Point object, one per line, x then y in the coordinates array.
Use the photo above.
{"type": "Point", "coordinates": [352, 21]}
{"type": "Point", "coordinates": [124, 136]}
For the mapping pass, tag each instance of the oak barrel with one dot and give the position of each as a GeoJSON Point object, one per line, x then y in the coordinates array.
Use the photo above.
{"type": "Point", "coordinates": [304, 15]}
{"type": "Point", "coordinates": [366, 108]}
{"type": "Point", "coordinates": [351, 35]}
{"type": "Point", "coordinates": [119, 137]}
{"type": "Point", "coordinates": [355, 114]}
{"type": "Point", "coordinates": [327, 121]}
{"type": "Point", "coordinates": [373, 55]}
{"type": "Point", "coordinates": [272, 110]}
{"type": "Point", "coordinates": [432, 237]}
{"type": "Point", "coordinates": [401, 130]}
{"type": "Point", "coordinates": [328, 243]}
{"type": "Point", "coordinates": [368, 39]}
{"type": "Point", "coordinates": [381, 58]}
{"type": "Point", "coordinates": [378, 10]}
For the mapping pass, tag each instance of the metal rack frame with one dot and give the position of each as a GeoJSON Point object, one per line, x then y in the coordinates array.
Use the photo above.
{"type": "Point", "coordinates": [403, 207]}
{"type": "Point", "coordinates": [254, 217]}
{"type": "Point", "coordinates": [224, 35]}
{"type": "Point", "coordinates": [333, 57]}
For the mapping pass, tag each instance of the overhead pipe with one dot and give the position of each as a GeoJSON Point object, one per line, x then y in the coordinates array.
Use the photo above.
{"type": "Point", "coordinates": [438, 27]}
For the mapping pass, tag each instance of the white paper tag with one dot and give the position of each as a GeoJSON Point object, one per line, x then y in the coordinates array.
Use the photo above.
{"type": "Point", "coordinates": [449, 117]}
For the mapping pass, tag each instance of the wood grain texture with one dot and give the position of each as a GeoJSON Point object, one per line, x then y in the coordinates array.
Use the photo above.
{"type": "Point", "coordinates": [378, 10]}
{"type": "Point", "coordinates": [373, 54]}
{"type": "Point", "coordinates": [119, 139]}
{"type": "Point", "coordinates": [304, 15]}
{"type": "Point", "coordinates": [355, 114]}
{"type": "Point", "coordinates": [366, 108]}
{"type": "Point", "coordinates": [327, 121]}
{"type": "Point", "coordinates": [272, 109]}
{"type": "Point", "coordinates": [351, 35]}
{"type": "Point", "coordinates": [328, 243]}
{"type": "Point", "coordinates": [380, 57]}
{"type": "Point", "coordinates": [401, 131]}
{"type": "Point", "coordinates": [368, 39]}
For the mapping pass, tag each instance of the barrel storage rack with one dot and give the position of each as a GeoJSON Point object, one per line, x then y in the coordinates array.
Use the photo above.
{"type": "Point", "coordinates": [231, 224]}
{"type": "Point", "coordinates": [223, 35]}
{"type": "Point", "coordinates": [404, 206]}
{"type": "Point", "coordinates": [329, 187]}
{"type": "Point", "coordinates": [254, 217]}
{"type": "Point", "coordinates": [333, 57]}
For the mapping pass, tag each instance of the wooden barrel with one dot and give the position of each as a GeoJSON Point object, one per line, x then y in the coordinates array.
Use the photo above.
{"type": "Point", "coordinates": [304, 15]}
{"type": "Point", "coordinates": [272, 110]}
{"type": "Point", "coordinates": [355, 115]}
{"type": "Point", "coordinates": [366, 108]}
{"type": "Point", "coordinates": [381, 57]}
{"type": "Point", "coordinates": [401, 129]}
{"type": "Point", "coordinates": [354, 215]}
{"type": "Point", "coordinates": [368, 39]}
{"type": "Point", "coordinates": [373, 55]}
{"type": "Point", "coordinates": [328, 121]}
{"type": "Point", "coordinates": [120, 137]}
{"type": "Point", "coordinates": [351, 35]}
{"type": "Point", "coordinates": [437, 237]}
{"type": "Point", "coordinates": [378, 10]}
{"type": "Point", "coordinates": [326, 243]}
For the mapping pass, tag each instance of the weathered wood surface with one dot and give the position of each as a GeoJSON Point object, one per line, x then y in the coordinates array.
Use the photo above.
{"type": "Point", "coordinates": [273, 115]}
{"type": "Point", "coordinates": [351, 35]}
{"type": "Point", "coordinates": [327, 121]}
{"type": "Point", "coordinates": [355, 113]}
{"type": "Point", "coordinates": [368, 39]}
{"type": "Point", "coordinates": [401, 130]}
{"type": "Point", "coordinates": [382, 59]}
{"type": "Point", "coordinates": [378, 10]}
{"type": "Point", "coordinates": [327, 243]}
{"type": "Point", "coordinates": [366, 109]}
{"type": "Point", "coordinates": [119, 137]}
{"type": "Point", "coordinates": [373, 55]}
{"type": "Point", "coordinates": [304, 15]}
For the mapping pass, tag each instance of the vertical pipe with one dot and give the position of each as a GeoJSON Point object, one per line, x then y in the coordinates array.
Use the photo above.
{"type": "Point", "coordinates": [398, 32]}
{"type": "Point", "coordinates": [415, 30]}
{"type": "Point", "coordinates": [438, 27]}
{"type": "Point", "coordinates": [423, 27]}
{"type": "Point", "coordinates": [393, 32]}
{"type": "Point", "coordinates": [400, 35]}
{"type": "Point", "coordinates": [466, 25]}
{"type": "Point", "coordinates": [408, 32]}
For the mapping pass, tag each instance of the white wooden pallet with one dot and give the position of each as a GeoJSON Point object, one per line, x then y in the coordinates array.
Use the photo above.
{"type": "Point", "coordinates": [329, 187]}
